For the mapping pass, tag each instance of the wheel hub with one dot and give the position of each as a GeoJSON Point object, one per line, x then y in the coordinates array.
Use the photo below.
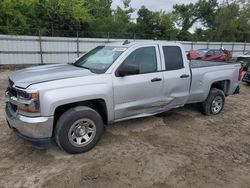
{"type": "Point", "coordinates": [217, 104]}
{"type": "Point", "coordinates": [80, 131]}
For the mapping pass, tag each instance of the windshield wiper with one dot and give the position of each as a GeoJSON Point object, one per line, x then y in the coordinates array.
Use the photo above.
{"type": "Point", "coordinates": [86, 67]}
{"type": "Point", "coordinates": [91, 70]}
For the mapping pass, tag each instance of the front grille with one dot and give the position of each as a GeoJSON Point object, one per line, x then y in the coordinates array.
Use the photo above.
{"type": "Point", "coordinates": [13, 107]}
{"type": "Point", "coordinates": [11, 83]}
{"type": "Point", "coordinates": [12, 90]}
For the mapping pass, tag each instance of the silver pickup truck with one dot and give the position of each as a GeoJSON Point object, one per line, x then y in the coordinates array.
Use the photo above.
{"type": "Point", "coordinates": [72, 103]}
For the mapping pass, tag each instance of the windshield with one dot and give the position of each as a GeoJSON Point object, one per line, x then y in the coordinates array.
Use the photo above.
{"type": "Point", "coordinates": [99, 59]}
{"type": "Point", "coordinates": [202, 52]}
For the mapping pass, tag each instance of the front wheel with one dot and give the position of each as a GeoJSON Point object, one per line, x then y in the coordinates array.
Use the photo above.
{"type": "Point", "coordinates": [78, 129]}
{"type": "Point", "coordinates": [214, 103]}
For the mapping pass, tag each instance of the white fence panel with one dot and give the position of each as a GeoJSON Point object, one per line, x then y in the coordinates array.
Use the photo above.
{"type": "Point", "coordinates": [187, 45]}
{"type": "Point", "coordinates": [12, 59]}
{"type": "Point", "coordinates": [59, 58]}
{"type": "Point", "coordinates": [47, 50]}
{"type": "Point", "coordinates": [248, 47]}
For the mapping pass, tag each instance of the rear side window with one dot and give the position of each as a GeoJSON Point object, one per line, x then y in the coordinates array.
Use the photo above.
{"type": "Point", "coordinates": [173, 57]}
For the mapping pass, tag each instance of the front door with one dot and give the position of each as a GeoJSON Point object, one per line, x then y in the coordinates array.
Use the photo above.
{"type": "Point", "coordinates": [140, 94]}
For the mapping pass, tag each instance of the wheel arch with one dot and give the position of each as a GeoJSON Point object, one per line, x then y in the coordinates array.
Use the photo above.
{"type": "Point", "coordinates": [223, 85]}
{"type": "Point", "coordinates": [98, 105]}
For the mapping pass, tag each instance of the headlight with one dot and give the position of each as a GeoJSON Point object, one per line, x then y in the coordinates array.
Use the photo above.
{"type": "Point", "coordinates": [28, 101]}
{"type": "Point", "coordinates": [23, 95]}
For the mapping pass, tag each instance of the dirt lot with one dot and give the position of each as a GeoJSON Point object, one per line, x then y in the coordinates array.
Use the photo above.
{"type": "Point", "coordinates": [181, 148]}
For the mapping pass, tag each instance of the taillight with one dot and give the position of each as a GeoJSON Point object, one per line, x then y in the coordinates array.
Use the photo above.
{"type": "Point", "coordinates": [240, 74]}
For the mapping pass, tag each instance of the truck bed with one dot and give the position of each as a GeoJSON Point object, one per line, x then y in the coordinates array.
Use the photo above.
{"type": "Point", "coordinates": [205, 73]}
{"type": "Point", "coordinates": [202, 63]}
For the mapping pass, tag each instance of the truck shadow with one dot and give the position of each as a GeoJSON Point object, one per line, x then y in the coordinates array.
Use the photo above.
{"type": "Point", "coordinates": [187, 112]}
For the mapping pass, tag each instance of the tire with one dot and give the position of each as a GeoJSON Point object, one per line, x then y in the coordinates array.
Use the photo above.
{"type": "Point", "coordinates": [214, 103]}
{"type": "Point", "coordinates": [78, 129]}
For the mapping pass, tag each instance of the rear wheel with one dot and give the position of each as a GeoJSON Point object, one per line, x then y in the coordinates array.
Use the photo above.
{"type": "Point", "coordinates": [78, 129]}
{"type": "Point", "coordinates": [214, 103]}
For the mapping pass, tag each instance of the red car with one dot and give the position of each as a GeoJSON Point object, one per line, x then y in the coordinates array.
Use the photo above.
{"type": "Point", "coordinates": [210, 55]}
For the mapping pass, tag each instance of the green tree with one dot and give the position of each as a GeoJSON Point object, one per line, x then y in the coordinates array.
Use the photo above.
{"type": "Point", "coordinates": [167, 26]}
{"type": "Point", "coordinates": [24, 16]}
{"type": "Point", "coordinates": [156, 25]}
{"type": "Point", "coordinates": [11, 16]}
{"type": "Point", "coordinates": [95, 18]}
{"type": "Point", "coordinates": [231, 23]}
{"type": "Point", "coordinates": [99, 8]}
{"type": "Point", "coordinates": [203, 11]}
{"type": "Point", "coordinates": [61, 17]}
{"type": "Point", "coordinates": [110, 23]}
{"type": "Point", "coordinates": [243, 22]}
{"type": "Point", "coordinates": [101, 14]}
{"type": "Point", "coordinates": [122, 20]}
{"type": "Point", "coordinates": [225, 29]}
{"type": "Point", "coordinates": [145, 23]}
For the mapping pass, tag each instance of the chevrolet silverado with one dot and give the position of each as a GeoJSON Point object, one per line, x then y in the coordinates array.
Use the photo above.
{"type": "Point", "coordinates": [72, 103]}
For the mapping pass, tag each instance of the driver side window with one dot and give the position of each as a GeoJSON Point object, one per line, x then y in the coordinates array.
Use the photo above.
{"type": "Point", "coordinates": [144, 58]}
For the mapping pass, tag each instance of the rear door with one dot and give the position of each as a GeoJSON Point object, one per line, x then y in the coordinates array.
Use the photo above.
{"type": "Point", "coordinates": [176, 75]}
{"type": "Point", "coordinates": [140, 94]}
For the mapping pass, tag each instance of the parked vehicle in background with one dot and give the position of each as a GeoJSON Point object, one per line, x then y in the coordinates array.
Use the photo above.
{"type": "Point", "coordinates": [246, 77]}
{"type": "Point", "coordinates": [114, 82]}
{"type": "Point", "coordinates": [245, 64]}
{"type": "Point", "coordinates": [244, 60]}
{"type": "Point", "coordinates": [245, 55]}
{"type": "Point", "coordinates": [197, 54]}
{"type": "Point", "coordinates": [210, 54]}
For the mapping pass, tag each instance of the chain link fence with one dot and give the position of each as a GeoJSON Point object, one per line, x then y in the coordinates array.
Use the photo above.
{"type": "Point", "coordinates": [52, 32]}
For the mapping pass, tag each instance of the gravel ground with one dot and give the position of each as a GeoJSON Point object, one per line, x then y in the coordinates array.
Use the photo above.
{"type": "Point", "coordinates": [180, 148]}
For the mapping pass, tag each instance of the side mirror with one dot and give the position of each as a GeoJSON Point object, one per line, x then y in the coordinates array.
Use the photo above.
{"type": "Point", "coordinates": [126, 70]}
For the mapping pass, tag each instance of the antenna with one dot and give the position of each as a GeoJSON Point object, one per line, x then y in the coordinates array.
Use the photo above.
{"type": "Point", "coordinates": [125, 42]}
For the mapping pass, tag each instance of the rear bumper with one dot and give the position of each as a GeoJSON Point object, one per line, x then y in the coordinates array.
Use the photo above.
{"type": "Point", "coordinates": [36, 130]}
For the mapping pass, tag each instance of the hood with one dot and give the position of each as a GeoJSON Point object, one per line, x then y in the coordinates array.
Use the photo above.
{"type": "Point", "coordinates": [26, 77]}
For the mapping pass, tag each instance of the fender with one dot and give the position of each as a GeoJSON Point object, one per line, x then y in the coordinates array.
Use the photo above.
{"type": "Point", "coordinates": [51, 99]}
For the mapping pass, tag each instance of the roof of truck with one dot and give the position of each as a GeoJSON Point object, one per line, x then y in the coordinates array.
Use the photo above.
{"type": "Point", "coordinates": [128, 44]}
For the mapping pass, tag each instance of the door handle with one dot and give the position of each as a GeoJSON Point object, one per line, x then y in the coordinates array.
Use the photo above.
{"type": "Point", "coordinates": [184, 76]}
{"type": "Point", "coordinates": [156, 80]}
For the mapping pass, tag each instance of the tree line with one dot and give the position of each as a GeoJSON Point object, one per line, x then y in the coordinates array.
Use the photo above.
{"type": "Point", "coordinates": [229, 21]}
